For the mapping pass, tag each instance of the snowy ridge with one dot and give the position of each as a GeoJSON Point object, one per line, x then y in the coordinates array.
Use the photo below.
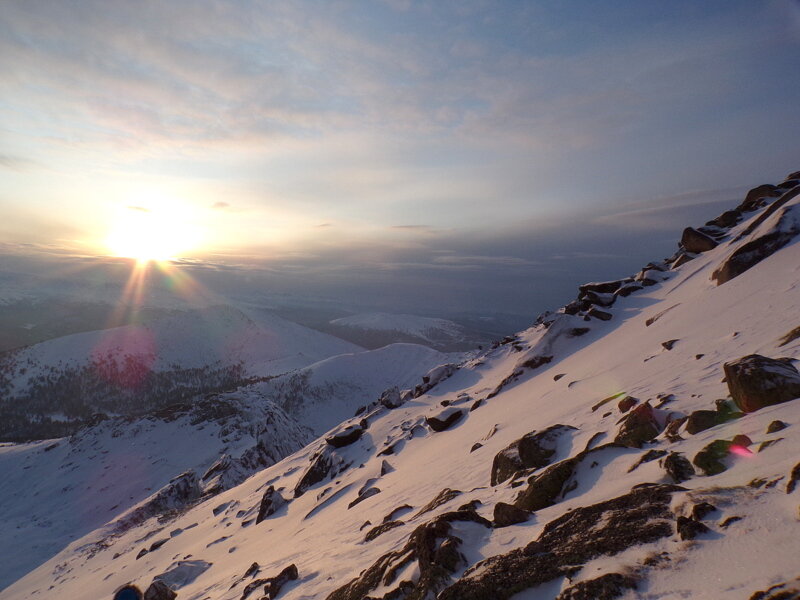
{"type": "Point", "coordinates": [621, 415]}
{"type": "Point", "coordinates": [422, 327]}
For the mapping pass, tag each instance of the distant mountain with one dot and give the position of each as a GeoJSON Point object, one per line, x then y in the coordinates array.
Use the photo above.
{"type": "Point", "coordinates": [50, 388]}
{"type": "Point", "coordinates": [323, 394]}
{"type": "Point", "coordinates": [376, 329]}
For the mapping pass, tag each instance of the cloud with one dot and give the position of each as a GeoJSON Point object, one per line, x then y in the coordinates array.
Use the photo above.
{"type": "Point", "coordinates": [220, 205]}
{"type": "Point", "coordinates": [17, 163]}
{"type": "Point", "coordinates": [139, 209]}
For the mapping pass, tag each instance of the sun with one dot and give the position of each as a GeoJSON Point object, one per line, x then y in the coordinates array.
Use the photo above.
{"type": "Point", "coordinates": [149, 234]}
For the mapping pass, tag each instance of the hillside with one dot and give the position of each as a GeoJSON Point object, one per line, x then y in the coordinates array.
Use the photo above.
{"type": "Point", "coordinates": [641, 442]}
{"type": "Point", "coordinates": [50, 388]}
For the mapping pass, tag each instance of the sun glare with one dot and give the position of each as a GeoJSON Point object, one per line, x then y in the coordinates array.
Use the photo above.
{"type": "Point", "coordinates": [147, 234]}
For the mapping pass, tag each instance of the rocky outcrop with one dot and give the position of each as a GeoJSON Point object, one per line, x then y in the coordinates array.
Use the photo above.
{"type": "Point", "coordinates": [605, 587]}
{"type": "Point", "coordinates": [696, 242]}
{"type": "Point", "coordinates": [345, 436]}
{"type": "Point", "coordinates": [639, 517]}
{"type": "Point", "coordinates": [508, 514]}
{"type": "Point", "coordinates": [756, 381]}
{"type": "Point", "coordinates": [271, 502]}
{"type": "Point", "coordinates": [431, 549]}
{"type": "Point", "coordinates": [753, 199]}
{"type": "Point", "coordinates": [678, 467]}
{"type": "Point", "coordinates": [640, 425]}
{"type": "Point", "coordinates": [178, 494]}
{"type": "Point", "coordinates": [688, 528]}
{"type": "Point", "coordinates": [325, 463]}
{"type": "Point", "coordinates": [158, 590]}
{"type": "Point", "coordinates": [709, 459]}
{"type": "Point", "coordinates": [532, 451]}
{"type": "Point", "coordinates": [444, 419]}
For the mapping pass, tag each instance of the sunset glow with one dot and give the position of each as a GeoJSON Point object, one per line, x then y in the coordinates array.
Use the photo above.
{"type": "Point", "coordinates": [150, 234]}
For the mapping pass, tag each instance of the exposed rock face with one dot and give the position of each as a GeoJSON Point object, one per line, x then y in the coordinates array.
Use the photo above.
{"type": "Point", "coordinates": [781, 224]}
{"type": "Point", "coordinates": [696, 242]}
{"type": "Point", "coordinates": [727, 219]}
{"type": "Point", "coordinates": [324, 463]}
{"type": "Point", "coordinates": [532, 451]}
{"type": "Point", "coordinates": [678, 467]}
{"type": "Point", "coordinates": [346, 436]}
{"type": "Point", "coordinates": [755, 381]}
{"type": "Point", "coordinates": [638, 426]}
{"type": "Point", "coordinates": [179, 493]}
{"type": "Point", "coordinates": [271, 502]}
{"type": "Point", "coordinates": [700, 420]}
{"type": "Point", "coordinates": [752, 200]}
{"type": "Point", "coordinates": [607, 528]}
{"type": "Point", "coordinates": [445, 419]}
{"type": "Point", "coordinates": [158, 590]}
{"type": "Point", "coordinates": [436, 554]}
{"type": "Point", "coordinates": [441, 498]}
{"type": "Point", "coordinates": [605, 587]}
{"type": "Point", "coordinates": [688, 529]}
{"type": "Point", "coordinates": [381, 529]}
{"type": "Point", "coordinates": [507, 514]}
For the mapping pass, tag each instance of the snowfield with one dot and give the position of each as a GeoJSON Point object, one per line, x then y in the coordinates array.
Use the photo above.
{"type": "Point", "coordinates": [599, 453]}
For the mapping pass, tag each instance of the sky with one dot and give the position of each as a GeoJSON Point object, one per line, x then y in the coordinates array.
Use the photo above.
{"type": "Point", "coordinates": [469, 154]}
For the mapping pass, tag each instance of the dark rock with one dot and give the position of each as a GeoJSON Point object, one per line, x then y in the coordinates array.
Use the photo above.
{"type": "Point", "coordinates": [752, 200]}
{"type": "Point", "coordinates": [627, 403]}
{"type": "Point", "coordinates": [271, 502]}
{"type": "Point", "coordinates": [780, 591]}
{"type": "Point", "coordinates": [728, 521]}
{"type": "Point", "coordinates": [158, 590]}
{"type": "Point", "coordinates": [445, 419]}
{"type": "Point", "coordinates": [755, 381]}
{"type": "Point", "coordinates": [701, 510]}
{"type": "Point", "coordinates": [682, 259]}
{"type": "Point", "coordinates": [776, 426]}
{"type": "Point", "coordinates": [639, 517]}
{"type": "Point", "coordinates": [324, 463]}
{"type": "Point", "coordinates": [669, 344]}
{"type": "Point", "coordinates": [386, 468]}
{"type": "Point", "coordinates": [638, 426]}
{"type": "Point", "coordinates": [795, 175]}
{"type": "Point", "coordinates": [603, 287]}
{"type": "Point", "coordinates": [696, 242]}
{"type": "Point", "coordinates": [786, 339]}
{"type": "Point", "coordinates": [544, 489]}
{"type": "Point", "coordinates": [709, 459]}
{"type": "Point", "coordinates": [476, 446]}
{"type": "Point", "coordinates": [477, 404]}
{"type": "Point", "coordinates": [345, 437]}
{"type": "Point", "coordinates": [767, 443]}
{"type": "Point", "coordinates": [179, 493]}
{"type": "Point", "coordinates": [689, 529]}
{"type": "Point", "coordinates": [605, 587]}
{"type": "Point", "coordinates": [788, 184]}
{"type": "Point", "coordinates": [273, 585]}
{"type": "Point", "coordinates": [596, 299]}
{"type": "Point", "coordinates": [559, 376]}
{"type": "Point", "coordinates": [381, 529]}
{"type": "Point", "coordinates": [599, 314]}
{"type": "Point", "coordinates": [648, 456]}
{"type": "Point", "coordinates": [671, 430]}
{"type": "Point", "coordinates": [678, 467]}
{"type": "Point", "coordinates": [577, 332]}
{"type": "Point", "coordinates": [727, 219]}
{"type": "Point", "coordinates": [507, 514]}
{"type": "Point", "coordinates": [700, 420]}
{"type": "Point", "coordinates": [141, 553]}
{"type": "Point", "coordinates": [741, 440]}
{"type": "Point", "coordinates": [794, 477]}
{"type": "Point", "coordinates": [536, 362]}
{"type": "Point", "coordinates": [532, 451]}
{"type": "Point", "coordinates": [627, 290]}
{"type": "Point", "coordinates": [252, 570]}
{"type": "Point", "coordinates": [434, 550]}
{"type": "Point", "coordinates": [157, 544]}
{"type": "Point", "coordinates": [369, 492]}
{"type": "Point", "coordinates": [441, 498]}
{"type": "Point", "coordinates": [391, 398]}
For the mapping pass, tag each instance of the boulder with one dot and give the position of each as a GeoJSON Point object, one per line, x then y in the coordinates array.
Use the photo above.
{"type": "Point", "coordinates": [752, 200]}
{"type": "Point", "coordinates": [599, 314]}
{"type": "Point", "coordinates": [701, 510]}
{"type": "Point", "coordinates": [271, 502]}
{"type": "Point", "coordinates": [696, 242]}
{"type": "Point", "coordinates": [345, 436]}
{"type": "Point", "coordinates": [534, 450]}
{"type": "Point", "coordinates": [678, 467]}
{"type": "Point", "coordinates": [638, 426]}
{"type": "Point", "coordinates": [682, 259]}
{"type": "Point", "coordinates": [444, 419]}
{"type": "Point", "coordinates": [158, 590]}
{"type": "Point", "coordinates": [700, 420]}
{"type": "Point", "coordinates": [508, 514]}
{"type": "Point", "coordinates": [776, 426]}
{"type": "Point", "coordinates": [602, 287]}
{"type": "Point", "coordinates": [627, 403]}
{"type": "Point", "coordinates": [727, 219]}
{"type": "Point", "coordinates": [709, 459]}
{"type": "Point", "coordinates": [688, 528]}
{"type": "Point", "coordinates": [756, 381]}
{"type": "Point", "coordinates": [324, 463]}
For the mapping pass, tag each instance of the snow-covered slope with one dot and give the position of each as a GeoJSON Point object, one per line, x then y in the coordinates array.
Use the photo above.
{"type": "Point", "coordinates": [323, 394]}
{"type": "Point", "coordinates": [602, 453]}
{"type": "Point", "coordinates": [131, 369]}
{"type": "Point", "coordinates": [59, 490]}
